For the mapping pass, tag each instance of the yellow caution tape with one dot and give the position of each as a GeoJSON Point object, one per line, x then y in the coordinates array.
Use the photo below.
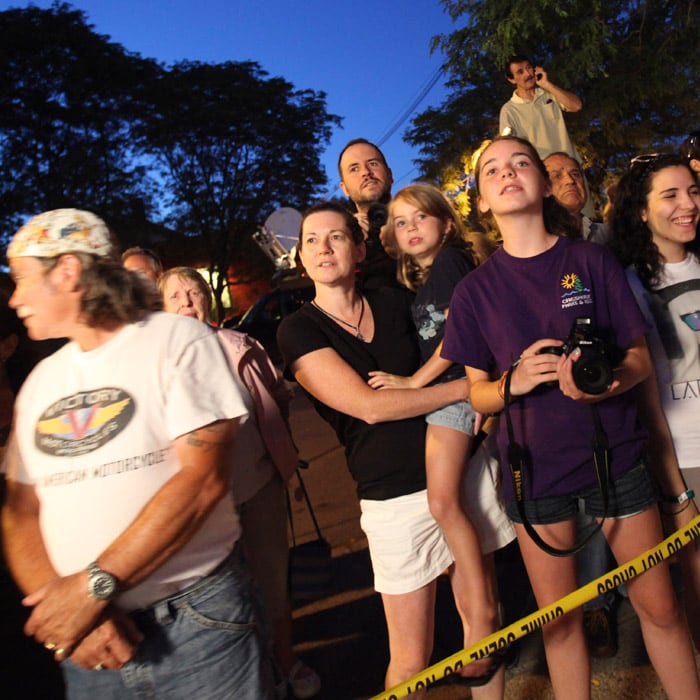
{"type": "Point", "coordinates": [501, 639]}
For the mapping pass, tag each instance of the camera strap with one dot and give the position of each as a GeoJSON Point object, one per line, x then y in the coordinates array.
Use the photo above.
{"type": "Point", "coordinates": [515, 462]}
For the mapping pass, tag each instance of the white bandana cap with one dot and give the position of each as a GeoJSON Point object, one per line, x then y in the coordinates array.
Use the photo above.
{"type": "Point", "coordinates": [61, 231]}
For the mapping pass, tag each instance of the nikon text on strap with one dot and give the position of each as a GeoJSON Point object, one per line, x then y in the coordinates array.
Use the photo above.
{"type": "Point", "coordinates": [515, 462]}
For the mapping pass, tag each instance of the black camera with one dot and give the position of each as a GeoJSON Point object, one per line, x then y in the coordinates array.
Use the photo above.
{"type": "Point", "coordinates": [593, 371]}
{"type": "Point", "coordinates": [377, 216]}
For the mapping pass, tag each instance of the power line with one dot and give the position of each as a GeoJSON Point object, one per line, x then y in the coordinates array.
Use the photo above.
{"type": "Point", "coordinates": [423, 92]}
{"type": "Point", "coordinates": [412, 107]}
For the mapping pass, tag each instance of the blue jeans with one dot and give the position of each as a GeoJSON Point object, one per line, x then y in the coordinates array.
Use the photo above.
{"type": "Point", "coordinates": [203, 643]}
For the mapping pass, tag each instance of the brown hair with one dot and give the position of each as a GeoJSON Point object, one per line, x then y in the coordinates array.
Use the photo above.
{"type": "Point", "coordinates": [112, 295]}
{"type": "Point", "coordinates": [356, 232]}
{"type": "Point", "coordinates": [557, 219]}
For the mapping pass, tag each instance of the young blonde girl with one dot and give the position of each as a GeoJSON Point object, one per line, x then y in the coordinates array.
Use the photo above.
{"type": "Point", "coordinates": [434, 256]}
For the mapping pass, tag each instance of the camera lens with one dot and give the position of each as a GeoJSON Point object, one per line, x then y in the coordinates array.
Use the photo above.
{"type": "Point", "coordinates": [377, 215]}
{"type": "Point", "coordinates": [593, 377]}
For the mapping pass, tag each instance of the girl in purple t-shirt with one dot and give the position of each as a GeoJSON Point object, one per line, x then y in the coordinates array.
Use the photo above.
{"type": "Point", "coordinates": [521, 301]}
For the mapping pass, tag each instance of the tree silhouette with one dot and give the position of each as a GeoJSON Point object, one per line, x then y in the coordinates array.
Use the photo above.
{"type": "Point", "coordinates": [197, 154]}
{"type": "Point", "coordinates": [233, 145]}
{"type": "Point", "coordinates": [68, 100]}
{"type": "Point", "coordinates": [635, 65]}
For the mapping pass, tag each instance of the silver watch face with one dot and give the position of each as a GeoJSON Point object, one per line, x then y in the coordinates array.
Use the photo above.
{"type": "Point", "coordinates": [102, 585]}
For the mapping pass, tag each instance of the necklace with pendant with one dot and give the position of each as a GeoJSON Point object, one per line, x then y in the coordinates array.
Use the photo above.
{"type": "Point", "coordinates": [355, 328]}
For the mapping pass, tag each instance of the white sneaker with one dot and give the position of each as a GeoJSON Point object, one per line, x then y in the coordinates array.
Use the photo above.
{"type": "Point", "coordinates": [304, 681]}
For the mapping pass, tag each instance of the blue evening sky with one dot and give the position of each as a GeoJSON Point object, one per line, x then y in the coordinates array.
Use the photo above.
{"type": "Point", "coordinates": [371, 57]}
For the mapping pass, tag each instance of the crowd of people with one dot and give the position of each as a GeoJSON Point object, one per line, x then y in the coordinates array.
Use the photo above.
{"type": "Point", "coordinates": [145, 518]}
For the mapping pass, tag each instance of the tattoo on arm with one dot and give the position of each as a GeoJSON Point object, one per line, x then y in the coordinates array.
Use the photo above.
{"type": "Point", "coordinates": [211, 437]}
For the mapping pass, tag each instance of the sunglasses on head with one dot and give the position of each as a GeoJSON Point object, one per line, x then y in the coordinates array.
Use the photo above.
{"type": "Point", "coordinates": [645, 159]}
{"type": "Point", "coordinates": [642, 165]}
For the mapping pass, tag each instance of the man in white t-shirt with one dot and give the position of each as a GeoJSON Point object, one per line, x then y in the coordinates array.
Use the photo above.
{"type": "Point", "coordinates": [119, 522]}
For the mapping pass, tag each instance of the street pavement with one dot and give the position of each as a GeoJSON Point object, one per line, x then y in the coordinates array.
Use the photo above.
{"type": "Point", "coordinates": [343, 636]}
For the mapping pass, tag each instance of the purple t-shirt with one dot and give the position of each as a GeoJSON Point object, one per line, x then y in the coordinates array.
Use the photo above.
{"type": "Point", "coordinates": [507, 304]}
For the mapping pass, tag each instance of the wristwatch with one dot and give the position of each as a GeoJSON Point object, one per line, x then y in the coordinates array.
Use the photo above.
{"type": "Point", "coordinates": [101, 585]}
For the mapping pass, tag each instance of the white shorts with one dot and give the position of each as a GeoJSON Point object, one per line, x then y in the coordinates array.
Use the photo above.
{"type": "Point", "coordinates": [481, 497]}
{"type": "Point", "coordinates": [406, 546]}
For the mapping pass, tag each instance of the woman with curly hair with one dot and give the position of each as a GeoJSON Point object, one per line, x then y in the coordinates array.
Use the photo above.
{"type": "Point", "coordinates": [655, 222]}
{"type": "Point", "coordinates": [644, 243]}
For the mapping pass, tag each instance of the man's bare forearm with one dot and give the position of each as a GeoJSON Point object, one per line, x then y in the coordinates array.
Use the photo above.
{"type": "Point", "coordinates": [23, 544]}
{"type": "Point", "coordinates": [178, 509]}
{"type": "Point", "coordinates": [570, 101]}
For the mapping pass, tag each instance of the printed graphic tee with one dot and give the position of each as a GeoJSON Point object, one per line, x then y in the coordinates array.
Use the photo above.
{"type": "Point", "coordinates": [95, 434]}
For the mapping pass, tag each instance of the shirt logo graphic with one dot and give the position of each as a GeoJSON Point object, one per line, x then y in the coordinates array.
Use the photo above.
{"type": "Point", "coordinates": [575, 291]}
{"type": "Point", "coordinates": [78, 424]}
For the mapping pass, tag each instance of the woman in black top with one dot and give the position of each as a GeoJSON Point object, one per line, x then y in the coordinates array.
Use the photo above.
{"type": "Point", "coordinates": [330, 346]}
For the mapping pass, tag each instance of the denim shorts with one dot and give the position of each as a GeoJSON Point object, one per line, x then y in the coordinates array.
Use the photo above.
{"type": "Point", "coordinates": [205, 642]}
{"type": "Point", "coordinates": [458, 416]}
{"type": "Point", "coordinates": [629, 495]}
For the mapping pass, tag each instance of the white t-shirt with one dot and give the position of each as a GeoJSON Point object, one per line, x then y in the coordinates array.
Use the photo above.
{"type": "Point", "coordinates": [95, 433]}
{"type": "Point", "coordinates": [674, 308]}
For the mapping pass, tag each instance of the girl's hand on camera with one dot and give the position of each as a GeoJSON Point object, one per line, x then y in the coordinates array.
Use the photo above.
{"type": "Point", "coordinates": [536, 367]}
{"type": "Point", "coordinates": [568, 386]}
